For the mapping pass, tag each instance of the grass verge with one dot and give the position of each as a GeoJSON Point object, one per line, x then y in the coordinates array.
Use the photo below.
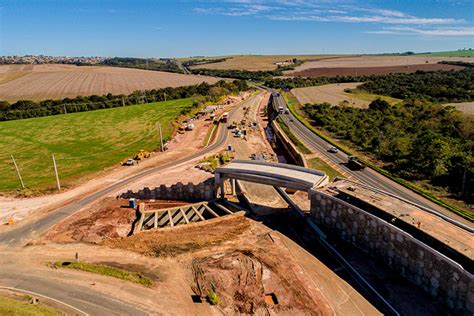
{"type": "Point", "coordinates": [9, 306]}
{"type": "Point", "coordinates": [211, 134]}
{"type": "Point", "coordinates": [319, 164]}
{"type": "Point", "coordinates": [302, 148]}
{"type": "Point", "coordinates": [122, 274]}
{"type": "Point", "coordinates": [426, 194]}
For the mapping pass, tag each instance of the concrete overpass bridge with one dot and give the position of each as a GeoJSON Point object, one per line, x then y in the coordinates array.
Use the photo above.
{"type": "Point", "coordinates": [278, 175]}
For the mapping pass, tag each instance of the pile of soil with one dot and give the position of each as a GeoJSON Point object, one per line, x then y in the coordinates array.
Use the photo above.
{"type": "Point", "coordinates": [184, 239]}
{"type": "Point", "coordinates": [253, 282]}
{"type": "Point", "coordinates": [236, 278]}
{"type": "Point", "coordinates": [111, 218]}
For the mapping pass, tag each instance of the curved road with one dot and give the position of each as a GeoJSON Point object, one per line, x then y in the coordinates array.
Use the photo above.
{"type": "Point", "coordinates": [366, 176]}
{"type": "Point", "coordinates": [18, 235]}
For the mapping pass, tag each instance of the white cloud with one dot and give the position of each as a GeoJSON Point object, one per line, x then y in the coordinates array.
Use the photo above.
{"type": "Point", "coordinates": [339, 11]}
{"type": "Point", "coordinates": [401, 30]}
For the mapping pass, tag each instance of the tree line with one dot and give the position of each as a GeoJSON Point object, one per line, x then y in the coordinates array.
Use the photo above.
{"type": "Point", "coordinates": [168, 65]}
{"type": "Point", "coordinates": [27, 109]}
{"type": "Point", "coordinates": [259, 75]}
{"type": "Point", "coordinates": [416, 140]}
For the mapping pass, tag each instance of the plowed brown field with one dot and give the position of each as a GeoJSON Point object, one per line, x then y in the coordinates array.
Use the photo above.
{"type": "Point", "coordinates": [376, 61]}
{"type": "Point", "coordinates": [259, 62]}
{"type": "Point", "coordinates": [41, 82]}
{"type": "Point", "coordinates": [373, 65]}
{"type": "Point", "coordinates": [360, 71]}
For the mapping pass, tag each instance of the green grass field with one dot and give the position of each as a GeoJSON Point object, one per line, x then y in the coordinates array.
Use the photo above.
{"type": "Point", "coordinates": [369, 97]}
{"type": "Point", "coordinates": [9, 306]}
{"type": "Point", "coordinates": [122, 274]}
{"type": "Point", "coordinates": [454, 53]}
{"type": "Point", "coordinates": [83, 143]}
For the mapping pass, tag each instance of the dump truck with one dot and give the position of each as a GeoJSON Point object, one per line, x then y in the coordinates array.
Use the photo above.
{"type": "Point", "coordinates": [355, 164]}
{"type": "Point", "coordinates": [225, 117]}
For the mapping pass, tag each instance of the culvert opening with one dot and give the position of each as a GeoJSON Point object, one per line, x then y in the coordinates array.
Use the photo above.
{"type": "Point", "coordinates": [196, 299]}
{"type": "Point", "coordinates": [271, 299]}
{"type": "Point", "coordinates": [66, 263]}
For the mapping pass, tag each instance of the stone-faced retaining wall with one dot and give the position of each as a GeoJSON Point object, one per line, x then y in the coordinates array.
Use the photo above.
{"type": "Point", "coordinates": [435, 273]}
{"type": "Point", "coordinates": [190, 192]}
{"type": "Point", "coordinates": [288, 145]}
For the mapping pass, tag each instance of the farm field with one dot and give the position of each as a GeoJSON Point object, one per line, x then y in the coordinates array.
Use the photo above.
{"type": "Point", "coordinates": [361, 71]}
{"type": "Point", "coordinates": [373, 65]}
{"type": "Point", "coordinates": [335, 95]}
{"type": "Point", "coordinates": [83, 143]}
{"type": "Point", "coordinates": [259, 62]}
{"type": "Point", "coordinates": [465, 107]}
{"type": "Point", "coordinates": [42, 82]}
{"type": "Point", "coordinates": [377, 61]}
{"type": "Point", "coordinates": [457, 53]}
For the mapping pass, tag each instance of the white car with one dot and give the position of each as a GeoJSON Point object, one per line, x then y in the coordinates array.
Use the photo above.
{"type": "Point", "coordinates": [333, 150]}
{"type": "Point", "coordinates": [129, 162]}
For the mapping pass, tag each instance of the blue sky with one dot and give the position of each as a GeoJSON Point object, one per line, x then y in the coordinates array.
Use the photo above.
{"type": "Point", "coordinates": [210, 27]}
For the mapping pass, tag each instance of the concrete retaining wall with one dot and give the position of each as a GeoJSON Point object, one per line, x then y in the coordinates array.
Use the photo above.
{"type": "Point", "coordinates": [435, 273]}
{"type": "Point", "coordinates": [190, 192]}
{"type": "Point", "coordinates": [288, 145]}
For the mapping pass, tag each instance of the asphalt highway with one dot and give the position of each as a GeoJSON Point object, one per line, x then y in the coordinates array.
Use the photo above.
{"type": "Point", "coordinates": [366, 176]}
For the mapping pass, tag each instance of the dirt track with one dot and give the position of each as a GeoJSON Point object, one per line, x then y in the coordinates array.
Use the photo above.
{"type": "Point", "coordinates": [41, 82]}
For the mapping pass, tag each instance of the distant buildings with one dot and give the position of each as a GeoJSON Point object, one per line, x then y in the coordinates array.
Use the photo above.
{"type": "Point", "coordinates": [41, 59]}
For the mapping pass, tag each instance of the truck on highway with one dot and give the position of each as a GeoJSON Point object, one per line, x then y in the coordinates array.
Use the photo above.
{"type": "Point", "coordinates": [355, 164]}
{"type": "Point", "coordinates": [224, 117]}
{"type": "Point", "coordinates": [280, 109]}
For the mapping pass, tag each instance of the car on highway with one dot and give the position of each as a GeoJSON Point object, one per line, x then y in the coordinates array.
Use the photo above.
{"type": "Point", "coordinates": [333, 150]}
{"type": "Point", "coordinates": [287, 111]}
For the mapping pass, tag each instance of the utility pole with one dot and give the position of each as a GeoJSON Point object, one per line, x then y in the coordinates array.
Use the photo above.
{"type": "Point", "coordinates": [65, 112]}
{"type": "Point", "coordinates": [56, 173]}
{"type": "Point", "coordinates": [18, 172]}
{"type": "Point", "coordinates": [123, 101]}
{"type": "Point", "coordinates": [165, 96]}
{"type": "Point", "coordinates": [161, 136]}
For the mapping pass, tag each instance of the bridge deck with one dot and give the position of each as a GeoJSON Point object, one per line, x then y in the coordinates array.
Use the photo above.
{"type": "Point", "coordinates": [277, 174]}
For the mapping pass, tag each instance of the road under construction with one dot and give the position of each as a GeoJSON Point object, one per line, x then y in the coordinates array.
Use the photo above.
{"type": "Point", "coordinates": [260, 183]}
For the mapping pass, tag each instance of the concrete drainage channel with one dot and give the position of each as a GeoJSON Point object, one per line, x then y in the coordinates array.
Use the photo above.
{"type": "Point", "coordinates": [183, 215]}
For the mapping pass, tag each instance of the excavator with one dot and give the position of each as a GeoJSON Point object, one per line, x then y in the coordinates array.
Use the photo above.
{"type": "Point", "coordinates": [142, 154]}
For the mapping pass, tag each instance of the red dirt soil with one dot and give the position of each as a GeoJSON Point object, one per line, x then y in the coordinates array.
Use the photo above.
{"type": "Point", "coordinates": [110, 218]}
{"type": "Point", "coordinates": [362, 71]}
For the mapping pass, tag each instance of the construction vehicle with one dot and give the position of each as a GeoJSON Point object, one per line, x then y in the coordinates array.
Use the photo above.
{"type": "Point", "coordinates": [232, 125]}
{"type": "Point", "coordinates": [355, 164]}
{"type": "Point", "coordinates": [142, 154]}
